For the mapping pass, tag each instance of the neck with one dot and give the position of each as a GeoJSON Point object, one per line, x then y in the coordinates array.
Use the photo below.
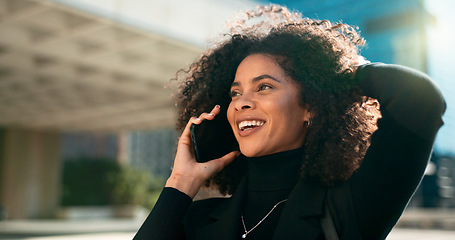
{"type": "Point", "coordinates": [278, 171]}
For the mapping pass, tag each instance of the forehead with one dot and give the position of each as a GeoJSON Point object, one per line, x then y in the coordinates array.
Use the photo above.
{"type": "Point", "coordinates": [258, 65]}
{"type": "Point", "coordinates": [258, 62]}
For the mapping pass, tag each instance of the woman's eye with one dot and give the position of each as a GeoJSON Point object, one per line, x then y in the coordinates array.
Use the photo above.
{"type": "Point", "coordinates": [235, 93]}
{"type": "Point", "coordinates": [264, 87]}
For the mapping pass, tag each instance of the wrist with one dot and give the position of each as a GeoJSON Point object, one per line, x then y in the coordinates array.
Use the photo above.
{"type": "Point", "coordinates": [188, 185]}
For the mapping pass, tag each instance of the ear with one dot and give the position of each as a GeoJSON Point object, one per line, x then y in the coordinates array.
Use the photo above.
{"type": "Point", "coordinates": [307, 115]}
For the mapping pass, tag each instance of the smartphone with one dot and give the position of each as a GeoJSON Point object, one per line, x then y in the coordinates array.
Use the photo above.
{"type": "Point", "coordinates": [212, 139]}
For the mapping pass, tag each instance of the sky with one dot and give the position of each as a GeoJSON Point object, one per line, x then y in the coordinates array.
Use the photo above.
{"type": "Point", "coordinates": [194, 22]}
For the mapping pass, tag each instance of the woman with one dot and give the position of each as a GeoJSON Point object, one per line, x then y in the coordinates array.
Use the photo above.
{"type": "Point", "coordinates": [303, 107]}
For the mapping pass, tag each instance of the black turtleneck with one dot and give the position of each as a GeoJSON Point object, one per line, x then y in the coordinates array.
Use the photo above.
{"type": "Point", "coordinates": [270, 180]}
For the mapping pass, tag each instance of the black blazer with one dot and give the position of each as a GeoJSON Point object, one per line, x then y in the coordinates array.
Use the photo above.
{"type": "Point", "coordinates": [219, 218]}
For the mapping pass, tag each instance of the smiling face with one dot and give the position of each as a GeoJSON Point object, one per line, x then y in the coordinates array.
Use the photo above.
{"type": "Point", "coordinates": [265, 112]}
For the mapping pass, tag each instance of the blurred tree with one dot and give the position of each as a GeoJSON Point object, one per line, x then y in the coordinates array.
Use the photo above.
{"type": "Point", "coordinates": [98, 182]}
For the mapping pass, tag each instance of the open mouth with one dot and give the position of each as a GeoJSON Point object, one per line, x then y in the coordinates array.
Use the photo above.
{"type": "Point", "coordinates": [246, 125]}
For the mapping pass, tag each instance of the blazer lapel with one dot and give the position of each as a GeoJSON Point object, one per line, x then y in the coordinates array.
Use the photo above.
{"type": "Point", "coordinates": [226, 218]}
{"type": "Point", "coordinates": [300, 216]}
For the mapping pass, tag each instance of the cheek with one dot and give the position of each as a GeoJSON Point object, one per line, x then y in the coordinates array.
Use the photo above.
{"type": "Point", "coordinates": [287, 112]}
{"type": "Point", "coordinates": [290, 103]}
{"type": "Point", "coordinates": [281, 106]}
{"type": "Point", "coordinates": [230, 114]}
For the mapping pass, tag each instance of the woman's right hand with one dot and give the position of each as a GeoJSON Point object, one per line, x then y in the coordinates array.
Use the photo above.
{"type": "Point", "coordinates": [188, 175]}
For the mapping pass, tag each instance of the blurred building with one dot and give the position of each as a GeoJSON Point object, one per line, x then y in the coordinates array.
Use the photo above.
{"type": "Point", "coordinates": [76, 77]}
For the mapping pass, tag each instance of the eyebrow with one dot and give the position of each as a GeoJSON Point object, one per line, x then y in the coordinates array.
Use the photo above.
{"type": "Point", "coordinates": [256, 79]}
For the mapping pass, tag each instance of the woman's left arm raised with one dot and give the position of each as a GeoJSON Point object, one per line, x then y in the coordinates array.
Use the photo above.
{"type": "Point", "coordinates": [411, 106]}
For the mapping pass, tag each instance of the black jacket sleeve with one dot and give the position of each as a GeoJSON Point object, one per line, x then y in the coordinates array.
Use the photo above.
{"type": "Point", "coordinates": [411, 97]}
{"type": "Point", "coordinates": [165, 220]}
{"type": "Point", "coordinates": [411, 107]}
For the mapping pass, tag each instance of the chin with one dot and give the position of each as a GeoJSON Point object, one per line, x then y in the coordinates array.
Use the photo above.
{"type": "Point", "coordinates": [246, 151]}
{"type": "Point", "coordinates": [250, 152]}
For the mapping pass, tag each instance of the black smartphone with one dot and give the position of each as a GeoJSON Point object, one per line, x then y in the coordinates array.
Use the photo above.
{"type": "Point", "coordinates": [212, 139]}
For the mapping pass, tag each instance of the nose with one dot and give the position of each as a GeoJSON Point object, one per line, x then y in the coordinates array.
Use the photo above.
{"type": "Point", "coordinates": [244, 102]}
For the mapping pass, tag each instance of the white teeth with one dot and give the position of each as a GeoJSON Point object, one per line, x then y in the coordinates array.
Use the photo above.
{"type": "Point", "coordinates": [254, 123]}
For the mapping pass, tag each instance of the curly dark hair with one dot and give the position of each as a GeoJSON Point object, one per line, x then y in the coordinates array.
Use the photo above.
{"type": "Point", "coordinates": [321, 57]}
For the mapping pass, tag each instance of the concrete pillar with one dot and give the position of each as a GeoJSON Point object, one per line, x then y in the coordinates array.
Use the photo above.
{"type": "Point", "coordinates": [30, 171]}
{"type": "Point", "coordinates": [122, 147]}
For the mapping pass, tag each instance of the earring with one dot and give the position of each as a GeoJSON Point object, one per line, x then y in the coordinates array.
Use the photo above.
{"type": "Point", "coordinates": [307, 123]}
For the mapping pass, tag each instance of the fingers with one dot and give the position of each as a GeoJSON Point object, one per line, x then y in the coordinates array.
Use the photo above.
{"type": "Point", "coordinates": [218, 164]}
{"type": "Point", "coordinates": [210, 116]}
{"type": "Point", "coordinates": [227, 159]}
{"type": "Point", "coordinates": [215, 110]}
{"type": "Point", "coordinates": [198, 120]}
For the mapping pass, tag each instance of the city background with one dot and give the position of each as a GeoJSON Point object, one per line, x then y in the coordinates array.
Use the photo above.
{"type": "Point", "coordinates": [87, 117]}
